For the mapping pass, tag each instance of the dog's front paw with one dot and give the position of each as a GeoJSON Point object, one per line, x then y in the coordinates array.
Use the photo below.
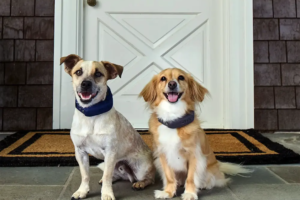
{"type": "Point", "coordinates": [79, 194]}
{"type": "Point", "coordinates": [189, 196]}
{"type": "Point", "coordinates": [159, 194]}
{"type": "Point", "coordinates": [107, 197]}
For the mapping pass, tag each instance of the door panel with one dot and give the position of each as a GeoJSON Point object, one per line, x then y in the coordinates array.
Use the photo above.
{"type": "Point", "coordinates": [149, 36]}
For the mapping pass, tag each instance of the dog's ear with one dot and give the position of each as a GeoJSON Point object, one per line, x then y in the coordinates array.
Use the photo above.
{"type": "Point", "coordinates": [196, 90]}
{"type": "Point", "coordinates": [70, 61]}
{"type": "Point", "coordinates": [149, 92]}
{"type": "Point", "coordinates": [113, 69]}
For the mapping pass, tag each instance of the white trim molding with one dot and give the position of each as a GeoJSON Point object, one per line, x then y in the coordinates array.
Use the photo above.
{"type": "Point", "coordinates": [68, 39]}
{"type": "Point", "coordinates": [238, 64]}
{"type": "Point", "coordinates": [237, 48]}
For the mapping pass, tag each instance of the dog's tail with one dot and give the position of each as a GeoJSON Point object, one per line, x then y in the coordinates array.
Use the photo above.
{"type": "Point", "coordinates": [234, 169]}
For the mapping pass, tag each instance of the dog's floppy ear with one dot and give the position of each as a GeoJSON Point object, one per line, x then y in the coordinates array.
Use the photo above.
{"type": "Point", "coordinates": [149, 92]}
{"type": "Point", "coordinates": [113, 69]}
{"type": "Point", "coordinates": [197, 91]}
{"type": "Point", "coordinates": [70, 61]}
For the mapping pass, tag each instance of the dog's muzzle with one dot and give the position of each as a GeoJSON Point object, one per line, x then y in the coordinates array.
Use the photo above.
{"type": "Point", "coordinates": [173, 95]}
{"type": "Point", "coordinates": [86, 94]}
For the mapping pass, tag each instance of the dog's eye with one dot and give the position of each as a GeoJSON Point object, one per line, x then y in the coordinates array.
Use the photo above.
{"type": "Point", "coordinates": [98, 74]}
{"type": "Point", "coordinates": [163, 78]}
{"type": "Point", "coordinates": [181, 78]}
{"type": "Point", "coordinates": [78, 72]}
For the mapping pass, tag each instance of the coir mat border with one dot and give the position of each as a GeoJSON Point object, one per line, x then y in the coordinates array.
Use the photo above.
{"type": "Point", "coordinates": [284, 156]}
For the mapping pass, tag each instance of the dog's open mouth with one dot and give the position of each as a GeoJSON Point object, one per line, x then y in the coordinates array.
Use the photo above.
{"type": "Point", "coordinates": [86, 96]}
{"type": "Point", "coordinates": [173, 97]}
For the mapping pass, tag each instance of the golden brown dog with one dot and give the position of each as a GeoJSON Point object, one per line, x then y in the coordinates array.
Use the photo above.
{"type": "Point", "coordinates": [181, 149]}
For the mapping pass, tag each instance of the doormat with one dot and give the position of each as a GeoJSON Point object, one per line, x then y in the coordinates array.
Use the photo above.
{"type": "Point", "coordinates": [55, 148]}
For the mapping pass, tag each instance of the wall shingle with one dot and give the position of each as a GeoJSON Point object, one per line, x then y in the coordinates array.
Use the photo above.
{"type": "Point", "coordinates": [289, 29]}
{"type": "Point", "coordinates": [4, 7]}
{"type": "Point", "coordinates": [285, 97]}
{"type": "Point", "coordinates": [0, 27]}
{"type": "Point", "coordinates": [40, 73]}
{"type": "Point", "coordinates": [35, 96]}
{"type": "Point", "coordinates": [284, 8]}
{"type": "Point", "coordinates": [290, 74]}
{"type": "Point", "coordinates": [267, 75]}
{"type": "Point", "coordinates": [265, 29]}
{"type": "Point", "coordinates": [293, 51]}
{"type": "Point", "coordinates": [6, 50]}
{"type": "Point", "coordinates": [1, 119]}
{"type": "Point", "coordinates": [277, 51]}
{"type": "Point", "coordinates": [9, 96]}
{"type": "Point", "coordinates": [22, 7]}
{"type": "Point", "coordinates": [264, 97]}
{"type": "Point", "coordinates": [25, 50]}
{"type": "Point", "coordinates": [39, 28]}
{"type": "Point", "coordinates": [298, 97]}
{"type": "Point", "coordinates": [289, 119]}
{"type": "Point", "coordinates": [265, 120]}
{"type": "Point", "coordinates": [262, 8]}
{"type": "Point", "coordinates": [1, 73]}
{"type": "Point", "coordinates": [261, 49]}
{"type": "Point", "coordinates": [44, 50]}
{"type": "Point", "coordinates": [15, 73]}
{"type": "Point", "coordinates": [15, 119]}
{"type": "Point", "coordinates": [12, 27]}
{"type": "Point", "coordinates": [44, 8]}
{"type": "Point", "coordinates": [44, 118]}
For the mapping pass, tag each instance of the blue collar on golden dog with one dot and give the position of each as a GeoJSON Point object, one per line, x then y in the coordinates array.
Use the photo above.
{"type": "Point", "coordinates": [98, 108]}
{"type": "Point", "coordinates": [180, 122]}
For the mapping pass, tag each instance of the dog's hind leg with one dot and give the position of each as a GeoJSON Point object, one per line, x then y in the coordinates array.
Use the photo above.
{"type": "Point", "coordinates": [145, 174]}
{"type": "Point", "coordinates": [121, 172]}
{"type": "Point", "coordinates": [146, 180]}
{"type": "Point", "coordinates": [83, 161]}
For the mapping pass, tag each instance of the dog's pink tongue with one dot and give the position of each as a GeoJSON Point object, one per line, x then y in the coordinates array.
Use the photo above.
{"type": "Point", "coordinates": [86, 95]}
{"type": "Point", "coordinates": [172, 97]}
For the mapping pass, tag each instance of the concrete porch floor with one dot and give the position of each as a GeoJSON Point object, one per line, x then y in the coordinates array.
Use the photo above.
{"type": "Point", "coordinates": [276, 182]}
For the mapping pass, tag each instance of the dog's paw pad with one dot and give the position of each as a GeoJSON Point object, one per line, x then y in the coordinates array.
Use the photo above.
{"type": "Point", "coordinates": [138, 185]}
{"type": "Point", "coordinates": [189, 196]}
{"type": "Point", "coordinates": [159, 194]}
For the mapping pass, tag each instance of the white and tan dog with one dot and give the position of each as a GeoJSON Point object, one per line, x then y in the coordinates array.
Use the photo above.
{"type": "Point", "coordinates": [99, 130]}
{"type": "Point", "coordinates": [181, 149]}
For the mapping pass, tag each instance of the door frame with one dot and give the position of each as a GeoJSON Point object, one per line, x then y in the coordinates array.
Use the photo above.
{"type": "Point", "coordinates": [237, 56]}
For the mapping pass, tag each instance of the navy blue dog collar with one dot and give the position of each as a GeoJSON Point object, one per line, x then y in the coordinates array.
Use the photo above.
{"type": "Point", "coordinates": [180, 122]}
{"type": "Point", "coordinates": [98, 108]}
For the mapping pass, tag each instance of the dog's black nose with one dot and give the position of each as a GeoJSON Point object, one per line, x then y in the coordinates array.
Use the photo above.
{"type": "Point", "coordinates": [172, 85]}
{"type": "Point", "coordinates": [86, 84]}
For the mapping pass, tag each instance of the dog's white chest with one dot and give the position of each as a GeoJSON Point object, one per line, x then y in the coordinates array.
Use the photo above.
{"type": "Point", "coordinates": [100, 124]}
{"type": "Point", "coordinates": [170, 144]}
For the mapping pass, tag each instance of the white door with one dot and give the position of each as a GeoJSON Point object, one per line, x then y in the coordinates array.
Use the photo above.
{"type": "Point", "coordinates": [147, 36]}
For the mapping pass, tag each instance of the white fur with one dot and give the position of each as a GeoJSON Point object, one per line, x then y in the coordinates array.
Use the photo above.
{"type": "Point", "coordinates": [159, 194]}
{"type": "Point", "coordinates": [170, 111]}
{"type": "Point", "coordinates": [200, 173]}
{"type": "Point", "coordinates": [169, 145]}
{"type": "Point", "coordinates": [189, 196]}
{"type": "Point", "coordinates": [233, 169]}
